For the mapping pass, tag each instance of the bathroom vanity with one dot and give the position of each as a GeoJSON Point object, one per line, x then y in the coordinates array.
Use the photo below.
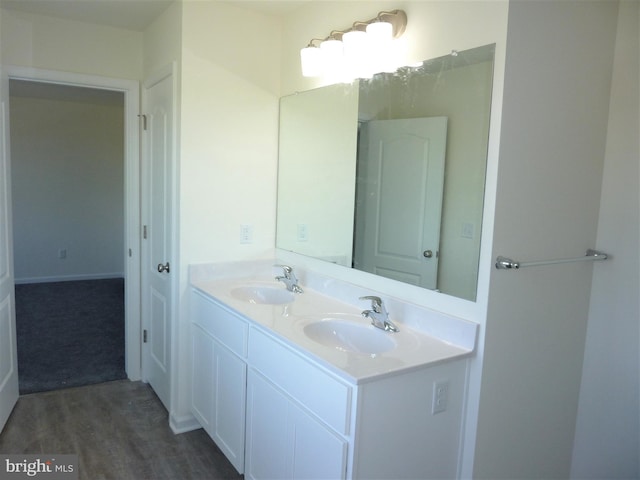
{"type": "Point", "coordinates": [303, 386]}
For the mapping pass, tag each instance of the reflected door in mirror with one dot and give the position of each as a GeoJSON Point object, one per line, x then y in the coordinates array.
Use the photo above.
{"type": "Point", "coordinates": [399, 198]}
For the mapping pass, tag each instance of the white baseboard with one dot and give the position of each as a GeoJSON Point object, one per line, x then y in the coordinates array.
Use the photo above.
{"type": "Point", "coordinates": [68, 278]}
{"type": "Point", "coordinates": [183, 423]}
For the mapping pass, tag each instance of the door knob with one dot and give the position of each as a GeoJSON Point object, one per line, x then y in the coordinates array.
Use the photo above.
{"type": "Point", "coordinates": [163, 268]}
{"type": "Point", "coordinates": [427, 254]}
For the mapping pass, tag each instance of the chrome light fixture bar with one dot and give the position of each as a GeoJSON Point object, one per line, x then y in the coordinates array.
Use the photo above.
{"type": "Point", "coordinates": [358, 52]}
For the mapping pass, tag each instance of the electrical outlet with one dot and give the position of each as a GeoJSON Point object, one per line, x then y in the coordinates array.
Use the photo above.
{"type": "Point", "coordinates": [467, 230]}
{"type": "Point", "coordinates": [246, 234]}
{"type": "Point", "coordinates": [62, 253]}
{"type": "Point", "coordinates": [303, 232]}
{"type": "Point", "coordinates": [440, 396]}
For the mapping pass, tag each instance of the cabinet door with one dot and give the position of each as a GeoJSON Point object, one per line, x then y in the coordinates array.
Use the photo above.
{"type": "Point", "coordinates": [317, 453]}
{"type": "Point", "coordinates": [286, 442]}
{"type": "Point", "coordinates": [266, 430]}
{"type": "Point", "coordinates": [218, 394]}
{"type": "Point", "coordinates": [202, 362]}
{"type": "Point", "coordinates": [229, 397]}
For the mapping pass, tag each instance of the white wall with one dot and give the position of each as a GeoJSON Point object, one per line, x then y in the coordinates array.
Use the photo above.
{"type": "Point", "coordinates": [229, 131]}
{"type": "Point", "coordinates": [317, 171]}
{"type": "Point", "coordinates": [228, 146]}
{"type": "Point", "coordinates": [554, 123]}
{"type": "Point", "coordinates": [608, 426]}
{"type": "Point", "coordinates": [162, 41]}
{"type": "Point", "coordinates": [68, 188]}
{"type": "Point", "coordinates": [47, 43]}
{"type": "Point", "coordinates": [54, 49]}
{"type": "Point", "coordinates": [50, 43]}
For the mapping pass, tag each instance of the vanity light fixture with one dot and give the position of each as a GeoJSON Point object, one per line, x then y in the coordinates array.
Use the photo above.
{"type": "Point", "coordinates": [359, 52]}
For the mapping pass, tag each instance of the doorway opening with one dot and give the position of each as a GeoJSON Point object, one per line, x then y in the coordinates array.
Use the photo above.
{"type": "Point", "coordinates": [75, 172]}
{"type": "Point", "coordinates": [68, 227]}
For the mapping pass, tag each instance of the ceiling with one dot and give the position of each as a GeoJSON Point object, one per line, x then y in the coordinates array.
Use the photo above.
{"type": "Point", "coordinates": [129, 14]}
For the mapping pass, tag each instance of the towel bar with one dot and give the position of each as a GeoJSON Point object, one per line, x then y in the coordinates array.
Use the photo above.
{"type": "Point", "coordinates": [504, 263]}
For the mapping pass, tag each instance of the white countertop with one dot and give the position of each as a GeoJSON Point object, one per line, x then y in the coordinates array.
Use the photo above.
{"type": "Point", "coordinates": [442, 338]}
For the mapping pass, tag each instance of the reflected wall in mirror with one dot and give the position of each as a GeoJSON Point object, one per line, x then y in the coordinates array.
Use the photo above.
{"type": "Point", "coordinates": [317, 171]}
{"type": "Point", "coordinates": [387, 175]}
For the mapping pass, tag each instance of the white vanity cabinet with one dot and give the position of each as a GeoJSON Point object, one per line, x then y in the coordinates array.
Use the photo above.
{"type": "Point", "coordinates": [297, 415]}
{"type": "Point", "coordinates": [303, 422]}
{"type": "Point", "coordinates": [398, 432]}
{"type": "Point", "coordinates": [280, 405]}
{"type": "Point", "coordinates": [285, 441]}
{"type": "Point", "coordinates": [219, 350]}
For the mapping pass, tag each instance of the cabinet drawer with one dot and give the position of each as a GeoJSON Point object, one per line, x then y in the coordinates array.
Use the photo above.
{"type": "Point", "coordinates": [226, 327]}
{"type": "Point", "coordinates": [322, 394]}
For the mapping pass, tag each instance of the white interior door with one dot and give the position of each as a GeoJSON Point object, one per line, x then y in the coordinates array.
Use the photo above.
{"type": "Point", "coordinates": [158, 267]}
{"type": "Point", "coordinates": [8, 345]}
{"type": "Point", "coordinates": [399, 207]}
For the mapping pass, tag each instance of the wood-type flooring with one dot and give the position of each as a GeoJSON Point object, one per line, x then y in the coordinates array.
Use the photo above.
{"type": "Point", "coordinates": [119, 430]}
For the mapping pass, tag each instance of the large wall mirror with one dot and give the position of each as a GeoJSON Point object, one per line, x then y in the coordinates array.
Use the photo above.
{"type": "Point", "coordinates": [386, 175]}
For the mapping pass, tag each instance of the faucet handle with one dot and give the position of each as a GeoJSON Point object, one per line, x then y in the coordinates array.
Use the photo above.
{"type": "Point", "coordinates": [378, 314]}
{"type": "Point", "coordinates": [289, 278]}
{"type": "Point", "coordinates": [376, 303]}
{"type": "Point", "coordinates": [286, 268]}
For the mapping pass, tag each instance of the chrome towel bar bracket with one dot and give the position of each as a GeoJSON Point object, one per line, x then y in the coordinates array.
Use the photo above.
{"type": "Point", "coordinates": [504, 263]}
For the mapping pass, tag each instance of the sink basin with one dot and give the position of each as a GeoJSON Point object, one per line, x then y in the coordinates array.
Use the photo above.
{"type": "Point", "coordinates": [263, 295]}
{"type": "Point", "coordinates": [350, 336]}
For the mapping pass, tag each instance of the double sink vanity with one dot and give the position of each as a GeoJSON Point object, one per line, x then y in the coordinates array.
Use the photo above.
{"type": "Point", "coordinates": [291, 379]}
{"type": "Point", "coordinates": [300, 375]}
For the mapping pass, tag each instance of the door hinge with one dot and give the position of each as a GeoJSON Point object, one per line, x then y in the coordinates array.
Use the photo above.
{"type": "Point", "coordinates": [130, 253]}
{"type": "Point", "coordinates": [144, 121]}
{"type": "Point", "coordinates": [144, 232]}
{"type": "Point", "coordinates": [144, 336]}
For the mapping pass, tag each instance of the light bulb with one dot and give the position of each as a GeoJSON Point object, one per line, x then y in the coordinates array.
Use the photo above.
{"type": "Point", "coordinates": [332, 56]}
{"type": "Point", "coordinates": [381, 39]}
{"type": "Point", "coordinates": [311, 61]}
{"type": "Point", "coordinates": [380, 32]}
{"type": "Point", "coordinates": [357, 54]}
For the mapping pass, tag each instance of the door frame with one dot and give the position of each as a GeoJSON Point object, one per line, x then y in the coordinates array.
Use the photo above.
{"type": "Point", "coordinates": [131, 253]}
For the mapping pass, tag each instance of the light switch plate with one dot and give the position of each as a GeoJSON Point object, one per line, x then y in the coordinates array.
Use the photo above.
{"type": "Point", "coordinates": [246, 233]}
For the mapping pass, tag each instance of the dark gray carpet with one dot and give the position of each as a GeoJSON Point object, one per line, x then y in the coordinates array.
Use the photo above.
{"type": "Point", "coordinates": [69, 334]}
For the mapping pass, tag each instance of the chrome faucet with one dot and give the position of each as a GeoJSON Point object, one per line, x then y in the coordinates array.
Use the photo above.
{"type": "Point", "coordinates": [379, 315]}
{"type": "Point", "coordinates": [289, 279]}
